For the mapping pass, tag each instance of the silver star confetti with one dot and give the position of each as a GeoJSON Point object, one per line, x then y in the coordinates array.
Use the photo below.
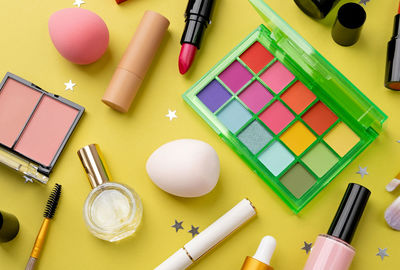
{"type": "Point", "coordinates": [78, 3]}
{"type": "Point", "coordinates": [69, 85]}
{"type": "Point", "coordinates": [364, 2]}
{"type": "Point", "coordinates": [171, 115]}
{"type": "Point", "coordinates": [307, 247]}
{"type": "Point", "coordinates": [382, 253]}
{"type": "Point", "coordinates": [28, 179]}
{"type": "Point", "coordinates": [177, 225]}
{"type": "Point", "coordinates": [362, 171]}
{"type": "Point", "coordinates": [194, 231]}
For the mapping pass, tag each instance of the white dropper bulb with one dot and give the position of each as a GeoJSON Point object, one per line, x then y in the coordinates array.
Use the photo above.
{"type": "Point", "coordinates": [265, 249]}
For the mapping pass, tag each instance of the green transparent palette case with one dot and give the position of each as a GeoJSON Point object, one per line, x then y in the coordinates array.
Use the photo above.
{"type": "Point", "coordinates": [285, 110]}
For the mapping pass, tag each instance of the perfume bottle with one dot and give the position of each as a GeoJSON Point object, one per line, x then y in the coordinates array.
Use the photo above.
{"type": "Point", "coordinates": [112, 211]}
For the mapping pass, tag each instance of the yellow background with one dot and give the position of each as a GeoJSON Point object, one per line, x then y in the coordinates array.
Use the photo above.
{"type": "Point", "coordinates": [127, 140]}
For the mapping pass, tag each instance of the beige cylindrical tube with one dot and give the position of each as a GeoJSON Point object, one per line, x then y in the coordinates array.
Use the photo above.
{"type": "Point", "coordinates": [136, 61]}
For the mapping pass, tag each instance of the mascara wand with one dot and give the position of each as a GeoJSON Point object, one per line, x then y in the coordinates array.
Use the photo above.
{"type": "Point", "coordinates": [48, 215]}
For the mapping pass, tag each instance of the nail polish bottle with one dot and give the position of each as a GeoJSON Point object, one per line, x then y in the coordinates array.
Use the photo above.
{"type": "Point", "coordinates": [112, 211]}
{"type": "Point", "coordinates": [332, 251]}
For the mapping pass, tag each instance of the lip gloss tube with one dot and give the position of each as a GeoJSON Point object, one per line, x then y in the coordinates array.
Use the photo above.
{"type": "Point", "coordinates": [210, 237]}
{"type": "Point", "coordinates": [333, 251]}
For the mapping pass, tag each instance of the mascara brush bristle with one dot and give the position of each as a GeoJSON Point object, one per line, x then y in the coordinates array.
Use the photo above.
{"type": "Point", "coordinates": [52, 202]}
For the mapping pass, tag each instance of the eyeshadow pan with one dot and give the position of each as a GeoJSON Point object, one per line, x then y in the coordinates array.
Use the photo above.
{"type": "Point", "coordinates": [342, 139]}
{"type": "Point", "coordinates": [235, 76]}
{"type": "Point", "coordinates": [234, 116]}
{"type": "Point", "coordinates": [320, 159]}
{"type": "Point", "coordinates": [319, 118]}
{"type": "Point", "coordinates": [255, 96]}
{"type": "Point", "coordinates": [277, 77]}
{"type": "Point", "coordinates": [255, 137]}
{"type": "Point", "coordinates": [17, 102]}
{"type": "Point", "coordinates": [276, 158]}
{"type": "Point", "coordinates": [256, 57]}
{"type": "Point", "coordinates": [214, 95]}
{"type": "Point", "coordinates": [298, 138]}
{"type": "Point", "coordinates": [46, 130]}
{"type": "Point", "coordinates": [298, 180]}
{"type": "Point", "coordinates": [298, 97]}
{"type": "Point", "coordinates": [276, 117]}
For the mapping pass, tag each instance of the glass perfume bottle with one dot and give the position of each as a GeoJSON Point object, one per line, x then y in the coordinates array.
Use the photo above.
{"type": "Point", "coordinates": [112, 211]}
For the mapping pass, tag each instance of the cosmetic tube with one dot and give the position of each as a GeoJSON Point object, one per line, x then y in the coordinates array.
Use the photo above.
{"type": "Point", "coordinates": [333, 251]}
{"type": "Point", "coordinates": [136, 61]}
{"type": "Point", "coordinates": [210, 237]}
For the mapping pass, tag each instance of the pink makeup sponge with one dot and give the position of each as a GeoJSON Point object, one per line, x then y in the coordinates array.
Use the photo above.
{"type": "Point", "coordinates": [79, 35]}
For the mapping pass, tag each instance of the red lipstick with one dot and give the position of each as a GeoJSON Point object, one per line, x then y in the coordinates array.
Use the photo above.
{"type": "Point", "coordinates": [197, 18]}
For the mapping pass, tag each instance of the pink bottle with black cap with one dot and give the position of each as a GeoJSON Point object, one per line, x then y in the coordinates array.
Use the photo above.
{"type": "Point", "coordinates": [332, 251]}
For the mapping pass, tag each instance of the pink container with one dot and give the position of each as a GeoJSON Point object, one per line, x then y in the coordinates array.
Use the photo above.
{"type": "Point", "coordinates": [330, 253]}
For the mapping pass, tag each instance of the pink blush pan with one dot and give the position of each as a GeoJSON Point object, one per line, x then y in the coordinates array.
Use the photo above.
{"type": "Point", "coordinates": [17, 103]}
{"type": "Point", "coordinates": [46, 130]}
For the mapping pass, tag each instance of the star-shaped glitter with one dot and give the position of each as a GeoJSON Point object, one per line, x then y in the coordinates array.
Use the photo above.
{"type": "Point", "coordinates": [177, 225]}
{"type": "Point", "coordinates": [364, 2]}
{"type": "Point", "coordinates": [307, 247]}
{"type": "Point", "coordinates": [69, 85]}
{"type": "Point", "coordinates": [28, 179]}
{"type": "Point", "coordinates": [194, 231]}
{"type": "Point", "coordinates": [171, 115]}
{"type": "Point", "coordinates": [362, 171]}
{"type": "Point", "coordinates": [78, 3]}
{"type": "Point", "coordinates": [382, 253]}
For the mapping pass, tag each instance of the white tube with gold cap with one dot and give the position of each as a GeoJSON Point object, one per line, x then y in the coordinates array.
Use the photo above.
{"type": "Point", "coordinates": [210, 237]}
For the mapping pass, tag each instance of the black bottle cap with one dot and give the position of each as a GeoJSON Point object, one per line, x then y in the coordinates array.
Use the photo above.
{"type": "Point", "coordinates": [198, 16]}
{"type": "Point", "coordinates": [347, 28]}
{"type": "Point", "coordinates": [349, 212]}
{"type": "Point", "coordinates": [392, 75]}
{"type": "Point", "coordinates": [316, 9]}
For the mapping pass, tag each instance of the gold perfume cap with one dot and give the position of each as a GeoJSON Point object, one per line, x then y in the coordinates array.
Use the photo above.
{"type": "Point", "coordinates": [94, 165]}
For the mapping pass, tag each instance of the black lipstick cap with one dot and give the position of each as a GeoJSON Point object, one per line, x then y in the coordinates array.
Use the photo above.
{"type": "Point", "coordinates": [9, 226]}
{"type": "Point", "coordinates": [392, 75]}
{"type": "Point", "coordinates": [349, 213]}
{"type": "Point", "coordinates": [349, 22]}
{"type": "Point", "coordinates": [316, 9]}
{"type": "Point", "coordinates": [198, 16]}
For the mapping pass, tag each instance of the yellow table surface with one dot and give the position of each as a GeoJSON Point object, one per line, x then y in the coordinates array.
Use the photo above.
{"type": "Point", "coordinates": [127, 140]}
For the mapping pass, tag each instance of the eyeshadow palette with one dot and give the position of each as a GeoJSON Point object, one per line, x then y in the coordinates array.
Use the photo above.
{"type": "Point", "coordinates": [288, 113]}
{"type": "Point", "coordinates": [34, 127]}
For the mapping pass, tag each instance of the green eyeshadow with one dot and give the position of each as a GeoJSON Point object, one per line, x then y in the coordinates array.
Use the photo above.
{"type": "Point", "coordinates": [296, 145]}
{"type": "Point", "coordinates": [320, 159]}
{"type": "Point", "coordinates": [298, 180]}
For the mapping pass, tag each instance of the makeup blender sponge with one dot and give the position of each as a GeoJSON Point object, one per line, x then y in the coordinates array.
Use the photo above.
{"type": "Point", "coordinates": [79, 35]}
{"type": "Point", "coordinates": [184, 168]}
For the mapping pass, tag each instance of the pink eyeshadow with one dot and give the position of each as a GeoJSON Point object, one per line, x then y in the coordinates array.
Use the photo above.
{"type": "Point", "coordinates": [46, 130]}
{"type": "Point", "coordinates": [17, 102]}
{"type": "Point", "coordinates": [255, 96]}
{"type": "Point", "coordinates": [277, 77]}
{"type": "Point", "coordinates": [276, 117]}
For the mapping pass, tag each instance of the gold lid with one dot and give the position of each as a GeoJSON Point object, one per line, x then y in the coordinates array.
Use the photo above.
{"type": "Point", "coordinates": [94, 165]}
{"type": "Point", "coordinates": [252, 264]}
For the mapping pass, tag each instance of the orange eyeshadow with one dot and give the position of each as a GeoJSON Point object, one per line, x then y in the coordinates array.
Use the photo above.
{"type": "Point", "coordinates": [298, 97]}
